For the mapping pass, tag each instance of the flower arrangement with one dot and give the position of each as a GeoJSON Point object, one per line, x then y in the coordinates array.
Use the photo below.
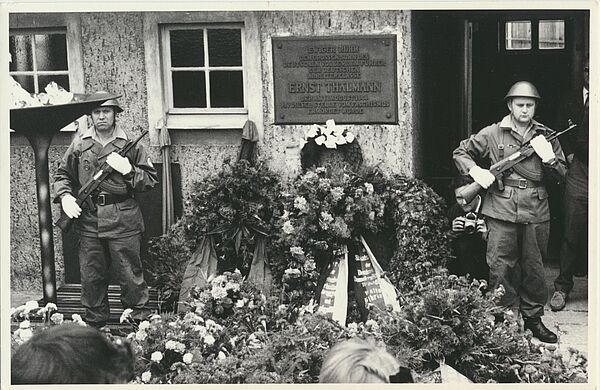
{"type": "Point", "coordinates": [333, 137]}
{"type": "Point", "coordinates": [416, 219]}
{"type": "Point", "coordinates": [330, 135]}
{"type": "Point", "coordinates": [322, 214]}
{"type": "Point", "coordinates": [257, 341]}
{"type": "Point", "coordinates": [450, 320]}
{"type": "Point", "coordinates": [224, 293]}
{"type": "Point", "coordinates": [31, 318]}
{"type": "Point", "coordinates": [165, 262]}
{"type": "Point", "coordinates": [236, 205]}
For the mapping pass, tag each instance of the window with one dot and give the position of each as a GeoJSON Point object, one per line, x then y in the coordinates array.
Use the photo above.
{"type": "Point", "coordinates": [39, 58]}
{"type": "Point", "coordinates": [46, 47]}
{"type": "Point", "coordinates": [204, 69]}
{"type": "Point", "coordinates": [552, 34]}
{"type": "Point", "coordinates": [535, 34]}
{"type": "Point", "coordinates": [518, 35]}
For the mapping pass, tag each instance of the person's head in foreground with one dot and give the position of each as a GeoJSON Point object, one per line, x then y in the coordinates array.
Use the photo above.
{"type": "Point", "coordinates": [71, 353]}
{"type": "Point", "coordinates": [358, 361]}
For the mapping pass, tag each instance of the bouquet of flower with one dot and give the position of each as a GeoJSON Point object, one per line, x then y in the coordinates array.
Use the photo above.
{"type": "Point", "coordinates": [235, 205]}
{"type": "Point", "coordinates": [330, 135]}
{"type": "Point", "coordinates": [220, 298]}
{"type": "Point", "coordinates": [322, 214]}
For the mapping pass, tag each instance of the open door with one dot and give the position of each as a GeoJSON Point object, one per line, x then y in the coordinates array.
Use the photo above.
{"type": "Point", "coordinates": [465, 62]}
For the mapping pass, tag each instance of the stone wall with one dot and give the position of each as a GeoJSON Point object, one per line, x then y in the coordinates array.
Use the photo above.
{"type": "Point", "coordinates": [391, 146]}
{"type": "Point", "coordinates": [113, 60]}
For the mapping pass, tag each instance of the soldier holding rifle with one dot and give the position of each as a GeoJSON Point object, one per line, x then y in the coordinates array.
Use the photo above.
{"type": "Point", "coordinates": [109, 223]}
{"type": "Point", "coordinates": [516, 203]}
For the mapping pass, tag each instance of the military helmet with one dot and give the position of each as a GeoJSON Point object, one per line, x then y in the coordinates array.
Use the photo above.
{"type": "Point", "coordinates": [523, 89]}
{"type": "Point", "coordinates": [109, 103]}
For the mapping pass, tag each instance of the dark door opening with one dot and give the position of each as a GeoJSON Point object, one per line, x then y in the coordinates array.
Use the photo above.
{"type": "Point", "coordinates": [465, 62]}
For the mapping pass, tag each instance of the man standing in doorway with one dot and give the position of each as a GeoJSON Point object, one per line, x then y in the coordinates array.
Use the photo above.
{"type": "Point", "coordinates": [574, 250]}
{"type": "Point", "coordinates": [110, 232]}
{"type": "Point", "coordinates": [516, 207]}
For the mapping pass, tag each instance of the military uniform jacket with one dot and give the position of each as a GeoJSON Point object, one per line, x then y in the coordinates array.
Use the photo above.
{"type": "Point", "coordinates": [81, 161]}
{"type": "Point", "coordinates": [498, 141]}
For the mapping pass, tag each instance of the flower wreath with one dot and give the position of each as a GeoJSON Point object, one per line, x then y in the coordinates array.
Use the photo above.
{"type": "Point", "coordinates": [331, 136]}
{"type": "Point", "coordinates": [401, 218]}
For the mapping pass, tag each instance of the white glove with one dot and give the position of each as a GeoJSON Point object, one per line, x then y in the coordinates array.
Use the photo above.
{"type": "Point", "coordinates": [483, 177]}
{"type": "Point", "coordinates": [542, 148]}
{"type": "Point", "coordinates": [70, 206]}
{"type": "Point", "coordinates": [119, 163]}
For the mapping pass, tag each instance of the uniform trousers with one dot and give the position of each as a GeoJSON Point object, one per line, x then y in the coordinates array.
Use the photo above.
{"type": "Point", "coordinates": [96, 257]}
{"type": "Point", "coordinates": [514, 255]}
{"type": "Point", "coordinates": [574, 250]}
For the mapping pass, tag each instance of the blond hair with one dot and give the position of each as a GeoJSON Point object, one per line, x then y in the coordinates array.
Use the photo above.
{"type": "Point", "coordinates": [357, 361]}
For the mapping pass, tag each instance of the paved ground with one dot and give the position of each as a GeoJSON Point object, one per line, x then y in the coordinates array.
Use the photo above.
{"type": "Point", "coordinates": [571, 323]}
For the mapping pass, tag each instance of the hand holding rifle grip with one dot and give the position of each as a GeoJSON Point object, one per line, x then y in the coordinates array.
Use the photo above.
{"type": "Point", "coordinates": [467, 194]}
{"type": "Point", "coordinates": [83, 197]}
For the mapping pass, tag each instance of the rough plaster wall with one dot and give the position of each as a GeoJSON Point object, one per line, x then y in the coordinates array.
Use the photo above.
{"type": "Point", "coordinates": [390, 145]}
{"type": "Point", "coordinates": [200, 161]}
{"type": "Point", "coordinates": [25, 271]}
{"type": "Point", "coordinates": [113, 60]}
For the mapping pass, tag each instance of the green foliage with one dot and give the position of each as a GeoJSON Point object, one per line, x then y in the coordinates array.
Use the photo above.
{"type": "Point", "coordinates": [324, 211]}
{"type": "Point", "coordinates": [235, 205]}
{"type": "Point", "coordinates": [421, 231]}
{"type": "Point", "coordinates": [449, 319]}
{"type": "Point", "coordinates": [165, 264]}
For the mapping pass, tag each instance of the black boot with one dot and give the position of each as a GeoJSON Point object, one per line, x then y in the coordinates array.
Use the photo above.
{"type": "Point", "coordinates": [539, 330]}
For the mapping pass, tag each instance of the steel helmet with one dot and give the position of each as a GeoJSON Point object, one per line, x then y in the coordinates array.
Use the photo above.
{"type": "Point", "coordinates": [109, 103]}
{"type": "Point", "coordinates": [522, 89]}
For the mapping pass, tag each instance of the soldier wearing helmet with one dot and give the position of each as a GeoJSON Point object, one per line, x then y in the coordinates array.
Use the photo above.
{"type": "Point", "coordinates": [516, 207]}
{"type": "Point", "coordinates": [110, 232]}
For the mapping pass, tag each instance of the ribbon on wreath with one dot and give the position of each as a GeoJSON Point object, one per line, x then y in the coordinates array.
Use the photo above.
{"type": "Point", "coordinates": [371, 286]}
{"type": "Point", "coordinates": [334, 294]}
{"type": "Point", "coordinates": [260, 270]}
{"type": "Point", "coordinates": [200, 269]}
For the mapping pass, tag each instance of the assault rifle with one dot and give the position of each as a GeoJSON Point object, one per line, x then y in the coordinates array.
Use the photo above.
{"type": "Point", "coordinates": [469, 191]}
{"type": "Point", "coordinates": [83, 197]}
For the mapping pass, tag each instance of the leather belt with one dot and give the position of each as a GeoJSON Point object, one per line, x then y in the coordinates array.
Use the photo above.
{"type": "Point", "coordinates": [105, 199]}
{"type": "Point", "coordinates": [522, 183]}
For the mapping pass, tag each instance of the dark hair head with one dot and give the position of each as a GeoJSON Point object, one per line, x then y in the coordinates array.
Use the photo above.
{"type": "Point", "coordinates": [71, 353]}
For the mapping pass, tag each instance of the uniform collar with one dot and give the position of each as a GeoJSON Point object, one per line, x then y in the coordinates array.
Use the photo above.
{"type": "Point", "coordinates": [91, 133]}
{"type": "Point", "coordinates": [508, 124]}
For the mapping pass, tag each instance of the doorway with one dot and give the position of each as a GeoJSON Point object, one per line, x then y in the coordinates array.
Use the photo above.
{"type": "Point", "coordinates": [465, 62]}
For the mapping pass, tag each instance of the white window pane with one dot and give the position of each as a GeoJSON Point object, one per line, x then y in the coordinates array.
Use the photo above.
{"type": "Point", "coordinates": [518, 35]}
{"type": "Point", "coordinates": [552, 34]}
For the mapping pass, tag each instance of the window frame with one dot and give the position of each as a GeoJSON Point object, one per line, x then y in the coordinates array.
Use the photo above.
{"type": "Point", "coordinates": [70, 23]}
{"type": "Point", "coordinates": [543, 49]}
{"type": "Point", "coordinates": [159, 113]}
{"type": "Point", "coordinates": [35, 72]}
{"type": "Point", "coordinates": [168, 69]}
{"type": "Point", "coordinates": [535, 36]}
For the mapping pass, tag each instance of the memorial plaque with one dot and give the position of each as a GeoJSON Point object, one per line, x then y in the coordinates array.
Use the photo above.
{"type": "Point", "coordinates": [351, 79]}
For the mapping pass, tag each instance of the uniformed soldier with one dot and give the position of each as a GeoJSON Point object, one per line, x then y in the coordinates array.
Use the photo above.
{"type": "Point", "coordinates": [516, 207]}
{"type": "Point", "coordinates": [110, 232]}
